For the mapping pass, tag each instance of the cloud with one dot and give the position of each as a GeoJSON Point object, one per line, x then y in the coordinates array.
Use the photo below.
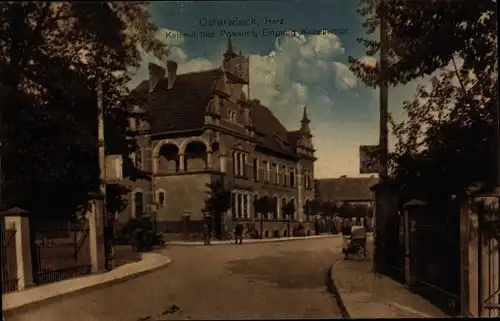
{"type": "Point", "coordinates": [368, 60]}
{"type": "Point", "coordinates": [345, 78]}
{"type": "Point", "coordinates": [301, 69]}
{"type": "Point", "coordinates": [177, 54]}
{"type": "Point", "coordinates": [196, 64]}
{"type": "Point", "coordinates": [167, 36]}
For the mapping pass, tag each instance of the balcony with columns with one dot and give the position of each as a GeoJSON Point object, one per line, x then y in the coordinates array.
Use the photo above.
{"type": "Point", "coordinates": [195, 157]}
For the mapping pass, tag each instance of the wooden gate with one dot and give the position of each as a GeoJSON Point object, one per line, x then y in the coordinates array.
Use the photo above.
{"type": "Point", "coordinates": [8, 258]}
{"type": "Point", "coordinates": [488, 260]}
{"type": "Point", "coordinates": [60, 249]}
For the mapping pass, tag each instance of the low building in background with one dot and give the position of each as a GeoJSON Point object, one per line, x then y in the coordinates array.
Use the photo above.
{"type": "Point", "coordinates": [352, 196]}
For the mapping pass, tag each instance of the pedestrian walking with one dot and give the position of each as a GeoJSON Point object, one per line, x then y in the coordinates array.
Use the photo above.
{"type": "Point", "coordinates": [206, 233]}
{"type": "Point", "coordinates": [238, 232]}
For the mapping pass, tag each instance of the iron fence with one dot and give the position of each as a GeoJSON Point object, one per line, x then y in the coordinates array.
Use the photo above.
{"type": "Point", "coordinates": [435, 253]}
{"type": "Point", "coordinates": [489, 261]}
{"type": "Point", "coordinates": [60, 249]}
{"type": "Point", "coordinates": [8, 258]}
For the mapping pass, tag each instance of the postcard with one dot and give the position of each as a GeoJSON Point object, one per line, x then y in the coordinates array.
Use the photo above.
{"type": "Point", "coordinates": [277, 159]}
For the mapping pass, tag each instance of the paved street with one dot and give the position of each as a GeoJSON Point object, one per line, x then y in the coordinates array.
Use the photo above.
{"type": "Point", "coordinates": [253, 281]}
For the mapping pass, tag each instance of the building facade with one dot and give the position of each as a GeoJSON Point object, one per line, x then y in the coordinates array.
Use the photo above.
{"type": "Point", "coordinates": [194, 128]}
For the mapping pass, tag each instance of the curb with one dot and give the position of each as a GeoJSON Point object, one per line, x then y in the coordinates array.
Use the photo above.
{"type": "Point", "coordinates": [175, 243]}
{"type": "Point", "coordinates": [332, 288]}
{"type": "Point", "coordinates": [39, 303]}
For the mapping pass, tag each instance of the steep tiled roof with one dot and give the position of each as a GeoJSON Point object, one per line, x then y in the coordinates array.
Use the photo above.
{"type": "Point", "coordinates": [294, 136]}
{"type": "Point", "coordinates": [270, 131]}
{"type": "Point", "coordinates": [346, 188]}
{"type": "Point", "coordinates": [181, 107]}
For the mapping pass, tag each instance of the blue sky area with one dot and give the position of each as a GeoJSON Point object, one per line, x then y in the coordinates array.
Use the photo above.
{"type": "Point", "coordinates": [287, 72]}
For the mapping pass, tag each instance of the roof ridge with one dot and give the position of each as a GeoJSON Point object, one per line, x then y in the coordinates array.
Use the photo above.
{"type": "Point", "coordinates": [186, 73]}
{"type": "Point", "coordinates": [199, 72]}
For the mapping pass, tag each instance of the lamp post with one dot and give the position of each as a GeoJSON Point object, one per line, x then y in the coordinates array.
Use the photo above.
{"type": "Point", "coordinates": [289, 223]}
{"type": "Point", "coordinates": [261, 224]}
{"type": "Point", "coordinates": [383, 125]}
{"type": "Point", "coordinates": [153, 209]}
{"type": "Point", "coordinates": [185, 217]}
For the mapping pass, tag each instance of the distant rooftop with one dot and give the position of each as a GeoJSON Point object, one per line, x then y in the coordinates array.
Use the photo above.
{"type": "Point", "coordinates": [346, 188]}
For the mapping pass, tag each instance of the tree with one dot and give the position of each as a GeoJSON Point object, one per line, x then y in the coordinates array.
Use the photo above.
{"type": "Point", "coordinates": [314, 207]}
{"type": "Point", "coordinates": [219, 201]}
{"type": "Point", "coordinates": [261, 207]}
{"type": "Point", "coordinates": [317, 190]}
{"type": "Point", "coordinates": [264, 206]}
{"type": "Point", "coordinates": [307, 209]}
{"type": "Point", "coordinates": [445, 144]}
{"type": "Point", "coordinates": [51, 57]}
{"type": "Point", "coordinates": [288, 209]}
{"type": "Point", "coordinates": [327, 209]}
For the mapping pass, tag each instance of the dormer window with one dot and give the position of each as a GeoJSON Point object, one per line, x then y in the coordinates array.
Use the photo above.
{"type": "Point", "coordinates": [232, 115]}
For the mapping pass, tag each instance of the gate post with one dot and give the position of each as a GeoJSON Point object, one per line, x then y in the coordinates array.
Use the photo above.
{"type": "Point", "coordinates": [19, 218]}
{"type": "Point", "coordinates": [483, 264]}
{"type": "Point", "coordinates": [468, 277]}
{"type": "Point", "coordinates": [406, 220]}
{"type": "Point", "coordinates": [95, 216]}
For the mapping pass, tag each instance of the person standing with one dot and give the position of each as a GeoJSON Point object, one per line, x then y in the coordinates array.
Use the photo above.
{"type": "Point", "coordinates": [346, 234]}
{"type": "Point", "coordinates": [206, 237]}
{"type": "Point", "coordinates": [316, 226]}
{"type": "Point", "coordinates": [238, 232]}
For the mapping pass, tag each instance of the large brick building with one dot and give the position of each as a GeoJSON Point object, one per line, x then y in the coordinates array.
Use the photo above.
{"type": "Point", "coordinates": [192, 127]}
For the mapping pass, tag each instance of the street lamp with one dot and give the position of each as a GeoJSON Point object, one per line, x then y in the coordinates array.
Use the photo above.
{"type": "Point", "coordinates": [383, 125]}
{"type": "Point", "coordinates": [153, 208]}
{"type": "Point", "coordinates": [185, 217]}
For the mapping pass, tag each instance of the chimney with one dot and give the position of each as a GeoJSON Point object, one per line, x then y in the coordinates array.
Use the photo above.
{"type": "Point", "coordinates": [172, 73]}
{"type": "Point", "coordinates": [155, 74]}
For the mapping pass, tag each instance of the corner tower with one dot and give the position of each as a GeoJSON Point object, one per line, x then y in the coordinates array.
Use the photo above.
{"type": "Point", "coordinates": [236, 65]}
{"type": "Point", "coordinates": [304, 143]}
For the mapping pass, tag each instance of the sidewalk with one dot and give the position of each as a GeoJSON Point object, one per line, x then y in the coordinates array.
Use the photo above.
{"type": "Point", "coordinates": [361, 294]}
{"type": "Point", "coordinates": [38, 295]}
{"type": "Point", "coordinates": [251, 241]}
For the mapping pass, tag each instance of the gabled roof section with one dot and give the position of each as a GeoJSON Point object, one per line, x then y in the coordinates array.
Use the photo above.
{"type": "Point", "coordinates": [293, 136]}
{"type": "Point", "coordinates": [183, 106]}
{"type": "Point", "coordinates": [270, 131]}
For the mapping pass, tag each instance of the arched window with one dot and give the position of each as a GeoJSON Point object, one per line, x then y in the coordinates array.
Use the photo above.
{"type": "Point", "coordinates": [138, 204]}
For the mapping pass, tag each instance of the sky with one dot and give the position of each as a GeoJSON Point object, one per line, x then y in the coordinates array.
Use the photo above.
{"type": "Point", "coordinates": [308, 66]}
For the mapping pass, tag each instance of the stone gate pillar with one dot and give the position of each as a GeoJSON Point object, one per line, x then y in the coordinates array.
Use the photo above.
{"type": "Point", "coordinates": [95, 216]}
